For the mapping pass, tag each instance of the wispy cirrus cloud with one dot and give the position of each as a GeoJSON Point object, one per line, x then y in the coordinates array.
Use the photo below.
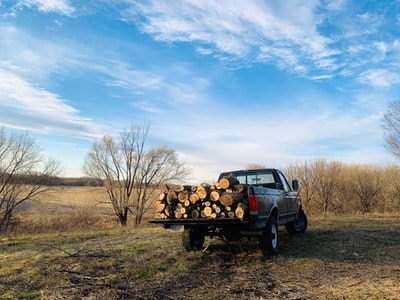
{"type": "Point", "coordinates": [291, 35]}
{"type": "Point", "coordinates": [31, 64]}
{"type": "Point", "coordinates": [38, 58]}
{"type": "Point", "coordinates": [63, 7]}
{"type": "Point", "coordinates": [170, 84]}
{"type": "Point", "coordinates": [27, 107]}
{"type": "Point", "coordinates": [379, 78]}
{"type": "Point", "coordinates": [250, 31]}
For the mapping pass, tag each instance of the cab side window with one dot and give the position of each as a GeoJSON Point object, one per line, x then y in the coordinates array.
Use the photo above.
{"type": "Point", "coordinates": [285, 184]}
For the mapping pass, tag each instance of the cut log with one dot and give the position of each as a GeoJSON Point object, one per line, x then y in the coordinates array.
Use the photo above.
{"type": "Point", "coordinates": [217, 209]}
{"type": "Point", "coordinates": [183, 196]}
{"type": "Point", "coordinates": [228, 199]}
{"type": "Point", "coordinates": [207, 211]}
{"type": "Point", "coordinates": [169, 210]}
{"type": "Point", "coordinates": [183, 188]}
{"type": "Point", "coordinates": [240, 188]}
{"type": "Point", "coordinates": [166, 212]}
{"type": "Point", "coordinates": [226, 182]}
{"type": "Point", "coordinates": [186, 203]}
{"type": "Point", "coordinates": [203, 191]}
{"type": "Point", "coordinates": [239, 212]}
{"type": "Point", "coordinates": [159, 206]}
{"type": "Point", "coordinates": [214, 195]}
{"type": "Point", "coordinates": [206, 203]}
{"type": "Point", "coordinates": [160, 216]}
{"type": "Point", "coordinates": [171, 196]}
{"type": "Point", "coordinates": [231, 214]}
{"type": "Point", "coordinates": [194, 198]}
{"type": "Point", "coordinates": [162, 196]}
{"type": "Point", "coordinates": [195, 214]}
{"type": "Point", "coordinates": [178, 214]}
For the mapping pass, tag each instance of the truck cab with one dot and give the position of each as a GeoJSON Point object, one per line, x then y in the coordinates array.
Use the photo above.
{"type": "Point", "coordinates": [273, 192]}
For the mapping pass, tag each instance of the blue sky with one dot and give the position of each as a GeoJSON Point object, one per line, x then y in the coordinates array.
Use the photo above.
{"type": "Point", "coordinates": [224, 83]}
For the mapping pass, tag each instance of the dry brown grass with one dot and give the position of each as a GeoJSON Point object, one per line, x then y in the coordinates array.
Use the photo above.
{"type": "Point", "coordinates": [67, 208]}
{"type": "Point", "coordinates": [345, 257]}
{"type": "Point", "coordinates": [338, 258]}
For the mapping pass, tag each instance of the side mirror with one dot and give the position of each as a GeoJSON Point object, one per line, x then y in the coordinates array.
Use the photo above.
{"type": "Point", "coordinates": [295, 185]}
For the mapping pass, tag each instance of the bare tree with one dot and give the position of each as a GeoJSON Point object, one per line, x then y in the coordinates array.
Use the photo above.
{"type": "Point", "coordinates": [367, 186]}
{"type": "Point", "coordinates": [345, 191]}
{"type": "Point", "coordinates": [391, 194]}
{"type": "Point", "coordinates": [131, 174]}
{"type": "Point", "coordinates": [304, 172]}
{"type": "Point", "coordinates": [327, 176]}
{"type": "Point", "coordinates": [391, 126]}
{"type": "Point", "coordinates": [24, 173]}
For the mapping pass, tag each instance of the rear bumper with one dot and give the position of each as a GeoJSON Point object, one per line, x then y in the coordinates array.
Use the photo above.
{"type": "Point", "coordinates": [200, 222]}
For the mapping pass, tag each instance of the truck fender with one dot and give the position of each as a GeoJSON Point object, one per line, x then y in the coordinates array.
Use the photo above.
{"type": "Point", "coordinates": [274, 212]}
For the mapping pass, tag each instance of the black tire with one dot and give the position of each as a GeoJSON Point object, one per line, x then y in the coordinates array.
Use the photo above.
{"type": "Point", "coordinates": [269, 240]}
{"type": "Point", "coordinates": [192, 239]}
{"type": "Point", "coordinates": [299, 225]}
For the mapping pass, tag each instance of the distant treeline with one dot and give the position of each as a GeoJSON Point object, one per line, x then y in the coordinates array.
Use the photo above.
{"type": "Point", "coordinates": [333, 187]}
{"type": "Point", "coordinates": [78, 181]}
{"type": "Point", "coordinates": [48, 180]}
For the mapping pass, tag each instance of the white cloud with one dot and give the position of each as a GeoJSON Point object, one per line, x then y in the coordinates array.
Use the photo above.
{"type": "Point", "coordinates": [241, 30]}
{"type": "Point", "coordinates": [37, 58]}
{"type": "Point", "coordinates": [379, 78]}
{"type": "Point", "coordinates": [62, 7]}
{"type": "Point", "coordinates": [27, 107]}
{"type": "Point", "coordinates": [170, 84]}
{"type": "Point", "coordinates": [147, 106]}
{"type": "Point", "coordinates": [303, 37]}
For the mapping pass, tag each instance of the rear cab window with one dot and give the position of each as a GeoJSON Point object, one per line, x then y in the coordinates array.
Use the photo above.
{"type": "Point", "coordinates": [253, 178]}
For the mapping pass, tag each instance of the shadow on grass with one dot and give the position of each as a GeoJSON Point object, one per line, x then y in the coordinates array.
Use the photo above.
{"type": "Point", "coordinates": [372, 245]}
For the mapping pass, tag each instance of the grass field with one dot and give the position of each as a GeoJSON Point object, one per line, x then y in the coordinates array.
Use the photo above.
{"type": "Point", "coordinates": [67, 208]}
{"type": "Point", "coordinates": [348, 257]}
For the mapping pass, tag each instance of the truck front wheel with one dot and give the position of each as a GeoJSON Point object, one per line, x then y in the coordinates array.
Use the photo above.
{"type": "Point", "coordinates": [299, 225]}
{"type": "Point", "coordinates": [268, 242]}
{"type": "Point", "coordinates": [192, 239]}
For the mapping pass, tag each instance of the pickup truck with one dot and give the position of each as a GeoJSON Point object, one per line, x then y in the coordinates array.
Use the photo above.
{"type": "Point", "coordinates": [268, 202]}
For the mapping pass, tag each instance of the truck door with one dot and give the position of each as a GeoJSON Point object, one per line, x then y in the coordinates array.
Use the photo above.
{"type": "Point", "coordinates": [289, 199]}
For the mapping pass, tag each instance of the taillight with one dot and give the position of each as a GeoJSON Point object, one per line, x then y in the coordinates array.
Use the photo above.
{"type": "Point", "coordinates": [253, 203]}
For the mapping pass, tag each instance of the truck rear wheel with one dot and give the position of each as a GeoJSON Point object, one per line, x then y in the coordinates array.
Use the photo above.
{"type": "Point", "coordinates": [269, 240]}
{"type": "Point", "coordinates": [192, 239]}
{"type": "Point", "coordinates": [299, 225]}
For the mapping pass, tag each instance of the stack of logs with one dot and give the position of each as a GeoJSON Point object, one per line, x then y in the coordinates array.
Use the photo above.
{"type": "Point", "coordinates": [226, 199]}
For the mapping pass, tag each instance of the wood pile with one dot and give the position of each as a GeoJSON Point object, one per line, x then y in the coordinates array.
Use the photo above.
{"type": "Point", "coordinates": [226, 199]}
